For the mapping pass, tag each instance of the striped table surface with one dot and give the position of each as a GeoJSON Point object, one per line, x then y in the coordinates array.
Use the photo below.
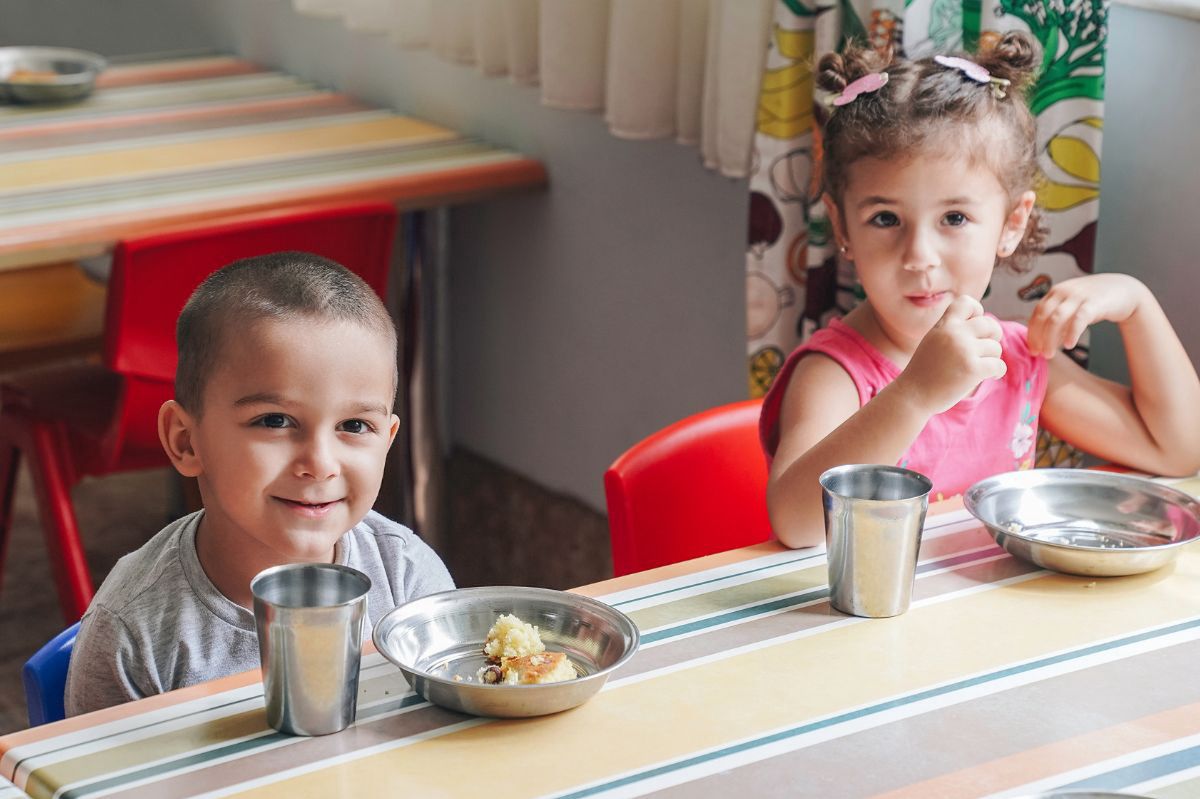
{"type": "Point", "coordinates": [1001, 680]}
{"type": "Point", "coordinates": [172, 142]}
{"type": "Point", "coordinates": [10, 791]}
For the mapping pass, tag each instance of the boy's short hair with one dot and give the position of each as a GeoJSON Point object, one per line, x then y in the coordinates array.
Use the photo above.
{"type": "Point", "coordinates": [280, 286]}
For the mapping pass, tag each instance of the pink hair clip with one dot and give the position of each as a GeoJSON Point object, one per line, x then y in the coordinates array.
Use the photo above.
{"type": "Point", "coordinates": [871, 82]}
{"type": "Point", "coordinates": [975, 73]}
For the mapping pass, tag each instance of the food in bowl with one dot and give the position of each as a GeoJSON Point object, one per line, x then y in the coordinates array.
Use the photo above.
{"type": "Point", "coordinates": [32, 76]}
{"type": "Point", "coordinates": [516, 656]}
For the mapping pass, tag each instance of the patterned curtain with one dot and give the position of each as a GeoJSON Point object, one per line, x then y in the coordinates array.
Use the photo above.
{"type": "Point", "coordinates": [795, 281]}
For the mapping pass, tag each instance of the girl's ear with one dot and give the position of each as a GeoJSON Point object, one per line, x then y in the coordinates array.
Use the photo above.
{"type": "Point", "coordinates": [175, 430]}
{"type": "Point", "coordinates": [1014, 226]}
{"type": "Point", "coordinates": [839, 225]}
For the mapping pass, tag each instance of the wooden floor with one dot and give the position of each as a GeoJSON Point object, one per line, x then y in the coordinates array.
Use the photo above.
{"type": "Point", "coordinates": [503, 529]}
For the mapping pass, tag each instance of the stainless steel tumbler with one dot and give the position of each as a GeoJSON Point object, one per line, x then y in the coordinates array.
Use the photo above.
{"type": "Point", "coordinates": [873, 520]}
{"type": "Point", "coordinates": [310, 618]}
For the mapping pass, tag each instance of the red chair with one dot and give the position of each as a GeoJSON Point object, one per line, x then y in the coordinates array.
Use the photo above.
{"type": "Point", "coordinates": [694, 488]}
{"type": "Point", "coordinates": [95, 419]}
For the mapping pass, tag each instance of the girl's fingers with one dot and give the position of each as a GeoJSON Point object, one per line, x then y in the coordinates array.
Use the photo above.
{"type": "Point", "coordinates": [961, 308]}
{"type": "Point", "coordinates": [1054, 329]}
{"type": "Point", "coordinates": [985, 327]}
{"type": "Point", "coordinates": [989, 348]}
{"type": "Point", "coordinates": [1080, 322]}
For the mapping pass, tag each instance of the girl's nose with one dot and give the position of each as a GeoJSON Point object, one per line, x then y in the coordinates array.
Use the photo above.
{"type": "Point", "coordinates": [920, 254]}
{"type": "Point", "coordinates": [316, 459]}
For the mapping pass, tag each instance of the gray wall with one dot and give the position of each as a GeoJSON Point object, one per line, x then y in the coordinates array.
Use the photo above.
{"type": "Point", "coordinates": [582, 317]}
{"type": "Point", "coordinates": [1150, 186]}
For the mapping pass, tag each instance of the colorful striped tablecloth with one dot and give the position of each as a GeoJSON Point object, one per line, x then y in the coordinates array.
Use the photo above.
{"type": "Point", "coordinates": [174, 142]}
{"type": "Point", "coordinates": [10, 791]}
{"type": "Point", "coordinates": [1001, 680]}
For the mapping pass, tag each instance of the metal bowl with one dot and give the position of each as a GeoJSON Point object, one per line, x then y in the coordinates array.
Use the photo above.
{"type": "Point", "coordinates": [437, 641]}
{"type": "Point", "coordinates": [48, 74]}
{"type": "Point", "coordinates": [1083, 794]}
{"type": "Point", "coordinates": [1096, 524]}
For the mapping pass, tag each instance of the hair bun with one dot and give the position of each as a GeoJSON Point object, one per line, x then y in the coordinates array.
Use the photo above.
{"type": "Point", "coordinates": [836, 71]}
{"type": "Point", "coordinates": [1014, 56]}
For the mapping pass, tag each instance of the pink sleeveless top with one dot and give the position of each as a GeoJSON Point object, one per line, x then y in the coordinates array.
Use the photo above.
{"type": "Point", "coordinates": [992, 431]}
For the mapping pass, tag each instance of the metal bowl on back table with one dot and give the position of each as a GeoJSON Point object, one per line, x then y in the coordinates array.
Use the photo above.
{"type": "Point", "coordinates": [48, 74]}
{"type": "Point", "coordinates": [437, 642]}
{"type": "Point", "coordinates": [1077, 521]}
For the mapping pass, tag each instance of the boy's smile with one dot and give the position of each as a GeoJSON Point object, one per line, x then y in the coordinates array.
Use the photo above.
{"type": "Point", "coordinates": [290, 444]}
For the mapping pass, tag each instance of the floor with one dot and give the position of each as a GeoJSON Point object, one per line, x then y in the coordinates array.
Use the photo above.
{"type": "Point", "coordinates": [503, 530]}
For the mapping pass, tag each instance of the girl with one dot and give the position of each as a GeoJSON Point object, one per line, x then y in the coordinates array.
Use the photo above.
{"type": "Point", "coordinates": [927, 177]}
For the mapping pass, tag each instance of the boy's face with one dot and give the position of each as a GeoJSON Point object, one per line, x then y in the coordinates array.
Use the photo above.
{"type": "Point", "coordinates": [290, 447]}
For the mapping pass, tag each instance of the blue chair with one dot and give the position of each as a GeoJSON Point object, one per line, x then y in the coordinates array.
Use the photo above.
{"type": "Point", "coordinates": [45, 678]}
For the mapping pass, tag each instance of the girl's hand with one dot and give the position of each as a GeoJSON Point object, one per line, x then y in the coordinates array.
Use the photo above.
{"type": "Point", "coordinates": [960, 352]}
{"type": "Point", "coordinates": [1072, 306]}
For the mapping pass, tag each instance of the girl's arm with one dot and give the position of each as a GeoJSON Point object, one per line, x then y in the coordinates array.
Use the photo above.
{"type": "Point", "coordinates": [822, 426]}
{"type": "Point", "coordinates": [1152, 425]}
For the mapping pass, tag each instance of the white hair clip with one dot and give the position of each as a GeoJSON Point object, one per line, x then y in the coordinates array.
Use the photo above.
{"type": "Point", "coordinates": [976, 73]}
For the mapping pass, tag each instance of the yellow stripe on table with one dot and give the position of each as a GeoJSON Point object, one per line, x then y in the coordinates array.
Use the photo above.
{"type": "Point", "coordinates": [781, 685]}
{"type": "Point", "coordinates": [127, 165]}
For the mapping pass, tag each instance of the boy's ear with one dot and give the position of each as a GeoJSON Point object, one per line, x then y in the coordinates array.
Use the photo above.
{"type": "Point", "coordinates": [839, 225]}
{"type": "Point", "coordinates": [1014, 226]}
{"type": "Point", "coordinates": [175, 426]}
{"type": "Point", "coordinates": [395, 428]}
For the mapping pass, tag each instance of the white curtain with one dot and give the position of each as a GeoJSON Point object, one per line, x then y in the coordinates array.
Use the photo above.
{"type": "Point", "coordinates": [683, 69]}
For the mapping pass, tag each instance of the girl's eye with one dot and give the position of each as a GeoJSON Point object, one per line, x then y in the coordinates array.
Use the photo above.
{"type": "Point", "coordinates": [955, 219]}
{"type": "Point", "coordinates": [884, 219]}
{"type": "Point", "coordinates": [356, 426]}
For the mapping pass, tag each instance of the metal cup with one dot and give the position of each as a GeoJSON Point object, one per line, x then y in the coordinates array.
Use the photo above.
{"type": "Point", "coordinates": [873, 520]}
{"type": "Point", "coordinates": [309, 618]}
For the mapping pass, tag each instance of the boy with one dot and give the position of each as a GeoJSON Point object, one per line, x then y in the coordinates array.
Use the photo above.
{"type": "Point", "coordinates": [283, 412]}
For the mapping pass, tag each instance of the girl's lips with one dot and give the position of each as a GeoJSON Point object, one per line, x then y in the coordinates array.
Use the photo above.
{"type": "Point", "coordinates": [926, 300]}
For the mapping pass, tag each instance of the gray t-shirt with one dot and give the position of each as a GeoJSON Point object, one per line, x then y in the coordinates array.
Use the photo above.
{"type": "Point", "coordinates": [158, 623]}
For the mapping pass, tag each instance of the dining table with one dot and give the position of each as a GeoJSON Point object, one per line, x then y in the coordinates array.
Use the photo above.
{"type": "Point", "coordinates": [1002, 679]}
{"type": "Point", "coordinates": [175, 141]}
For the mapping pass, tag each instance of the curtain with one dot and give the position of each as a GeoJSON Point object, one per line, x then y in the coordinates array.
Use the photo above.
{"type": "Point", "coordinates": [795, 281]}
{"type": "Point", "coordinates": [682, 69]}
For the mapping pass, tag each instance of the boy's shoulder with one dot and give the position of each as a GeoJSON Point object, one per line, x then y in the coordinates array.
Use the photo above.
{"type": "Point", "coordinates": [400, 565]}
{"type": "Point", "coordinates": [142, 572]}
{"type": "Point", "coordinates": [390, 539]}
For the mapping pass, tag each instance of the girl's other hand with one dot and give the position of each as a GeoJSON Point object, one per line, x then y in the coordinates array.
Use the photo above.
{"type": "Point", "coordinates": [1072, 306]}
{"type": "Point", "coordinates": [960, 352]}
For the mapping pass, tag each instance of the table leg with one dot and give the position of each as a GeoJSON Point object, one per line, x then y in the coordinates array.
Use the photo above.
{"type": "Point", "coordinates": [426, 374]}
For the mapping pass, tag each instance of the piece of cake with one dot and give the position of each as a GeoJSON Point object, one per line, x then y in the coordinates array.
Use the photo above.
{"type": "Point", "coordinates": [538, 669]}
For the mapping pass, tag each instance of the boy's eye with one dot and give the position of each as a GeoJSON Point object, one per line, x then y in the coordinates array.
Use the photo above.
{"type": "Point", "coordinates": [273, 420]}
{"type": "Point", "coordinates": [884, 219]}
{"type": "Point", "coordinates": [356, 426]}
{"type": "Point", "coordinates": [955, 219]}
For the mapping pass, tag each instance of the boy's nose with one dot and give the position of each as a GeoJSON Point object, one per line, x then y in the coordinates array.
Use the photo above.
{"type": "Point", "coordinates": [316, 460]}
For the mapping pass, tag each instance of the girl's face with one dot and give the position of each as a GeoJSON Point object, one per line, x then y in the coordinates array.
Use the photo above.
{"type": "Point", "coordinates": [920, 232]}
